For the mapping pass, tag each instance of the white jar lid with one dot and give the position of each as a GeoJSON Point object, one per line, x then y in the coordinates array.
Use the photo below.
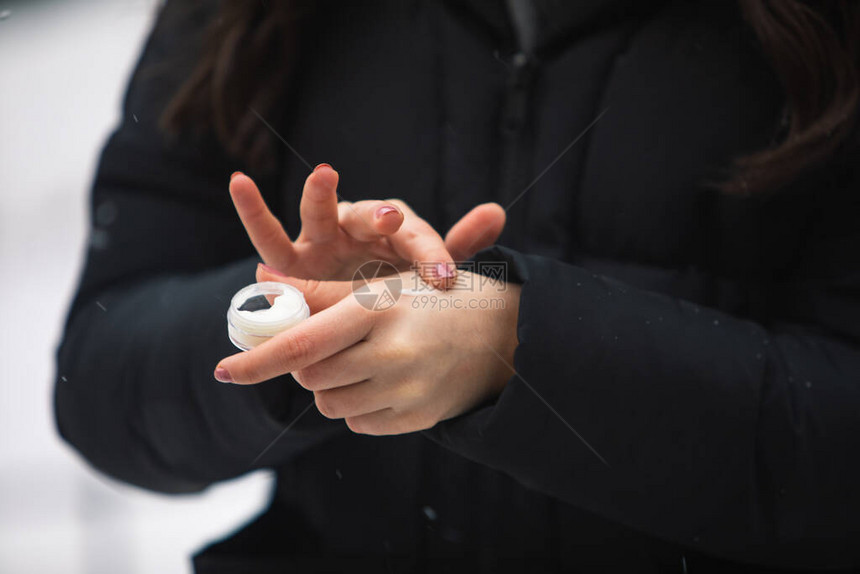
{"type": "Point", "coordinates": [260, 311]}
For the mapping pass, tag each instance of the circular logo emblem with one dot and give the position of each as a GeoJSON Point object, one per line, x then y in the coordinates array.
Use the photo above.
{"type": "Point", "coordinates": [371, 297]}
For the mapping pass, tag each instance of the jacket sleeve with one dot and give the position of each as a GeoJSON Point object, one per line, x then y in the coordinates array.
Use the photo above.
{"type": "Point", "coordinates": [134, 391]}
{"type": "Point", "coordinates": [735, 437]}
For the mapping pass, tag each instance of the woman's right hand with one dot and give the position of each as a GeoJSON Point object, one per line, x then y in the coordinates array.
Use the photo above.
{"type": "Point", "coordinates": [337, 238]}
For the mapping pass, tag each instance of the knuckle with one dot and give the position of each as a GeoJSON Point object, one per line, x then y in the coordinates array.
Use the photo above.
{"type": "Point", "coordinates": [394, 354]}
{"type": "Point", "coordinates": [268, 233]}
{"type": "Point", "coordinates": [311, 378]}
{"type": "Point", "coordinates": [301, 379]}
{"type": "Point", "coordinates": [398, 350]}
{"type": "Point", "coordinates": [325, 405]}
{"type": "Point", "coordinates": [295, 348]}
{"type": "Point", "coordinates": [362, 425]}
{"type": "Point", "coordinates": [311, 287]}
{"type": "Point", "coordinates": [415, 421]}
{"type": "Point", "coordinates": [256, 213]}
{"type": "Point", "coordinates": [250, 371]}
{"type": "Point", "coordinates": [408, 233]}
{"type": "Point", "coordinates": [389, 355]}
{"type": "Point", "coordinates": [425, 421]}
{"type": "Point", "coordinates": [354, 424]}
{"type": "Point", "coordinates": [412, 392]}
{"type": "Point", "coordinates": [345, 212]}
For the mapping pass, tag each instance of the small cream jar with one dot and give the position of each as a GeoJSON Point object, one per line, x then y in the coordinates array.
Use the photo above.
{"type": "Point", "coordinates": [260, 311]}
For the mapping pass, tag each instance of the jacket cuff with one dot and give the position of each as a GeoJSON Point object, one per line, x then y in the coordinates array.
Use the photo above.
{"type": "Point", "coordinates": [514, 425]}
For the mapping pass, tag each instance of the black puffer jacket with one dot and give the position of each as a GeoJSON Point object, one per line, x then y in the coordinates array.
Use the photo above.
{"type": "Point", "coordinates": [705, 347]}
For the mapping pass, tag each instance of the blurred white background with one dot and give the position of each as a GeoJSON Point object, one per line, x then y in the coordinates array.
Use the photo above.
{"type": "Point", "coordinates": [63, 68]}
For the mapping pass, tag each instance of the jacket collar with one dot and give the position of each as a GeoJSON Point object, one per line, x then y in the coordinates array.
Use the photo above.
{"type": "Point", "coordinates": [556, 21]}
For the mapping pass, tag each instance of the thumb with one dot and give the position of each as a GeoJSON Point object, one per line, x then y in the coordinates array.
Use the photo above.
{"type": "Point", "coordinates": [319, 295]}
{"type": "Point", "coordinates": [478, 229]}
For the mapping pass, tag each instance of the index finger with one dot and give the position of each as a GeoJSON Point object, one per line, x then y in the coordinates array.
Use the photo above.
{"type": "Point", "coordinates": [418, 242]}
{"type": "Point", "coordinates": [317, 338]}
{"type": "Point", "coordinates": [265, 231]}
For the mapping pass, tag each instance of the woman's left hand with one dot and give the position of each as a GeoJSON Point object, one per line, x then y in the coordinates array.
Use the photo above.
{"type": "Point", "coordinates": [425, 359]}
{"type": "Point", "coordinates": [338, 237]}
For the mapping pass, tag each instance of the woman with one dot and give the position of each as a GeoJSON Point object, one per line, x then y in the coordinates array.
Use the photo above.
{"type": "Point", "coordinates": [682, 306]}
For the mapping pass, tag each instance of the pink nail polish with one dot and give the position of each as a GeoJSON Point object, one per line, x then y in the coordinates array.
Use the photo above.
{"type": "Point", "coordinates": [444, 271]}
{"type": "Point", "coordinates": [271, 270]}
{"type": "Point", "coordinates": [385, 210]}
{"type": "Point", "coordinates": [223, 375]}
{"type": "Point", "coordinates": [322, 165]}
{"type": "Point", "coordinates": [235, 173]}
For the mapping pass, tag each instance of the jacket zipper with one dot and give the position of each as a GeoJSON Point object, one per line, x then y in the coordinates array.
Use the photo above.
{"type": "Point", "coordinates": [516, 145]}
{"type": "Point", "coordinates": [515, 130]}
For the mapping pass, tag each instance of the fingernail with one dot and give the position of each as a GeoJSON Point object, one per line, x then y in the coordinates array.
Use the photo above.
{"type": "Point", "coordinates": [222, 375]}
{"type": "Point", "coordinates": [445, 270]}
{"type": "Point", "coordinates": [385, 210]}
{"type": "Point", "coordinates": [322, 165]}
{"type": "Point", "coordinates": [271, 270]}
{"type": "Point", "coordinates": [235, 173]}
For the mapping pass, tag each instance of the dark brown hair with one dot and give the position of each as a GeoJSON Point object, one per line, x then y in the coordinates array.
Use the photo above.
{"type": "Point", "coordinates": [246, 58]}
{"type": "Point", "coordinates": [812, 46]}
